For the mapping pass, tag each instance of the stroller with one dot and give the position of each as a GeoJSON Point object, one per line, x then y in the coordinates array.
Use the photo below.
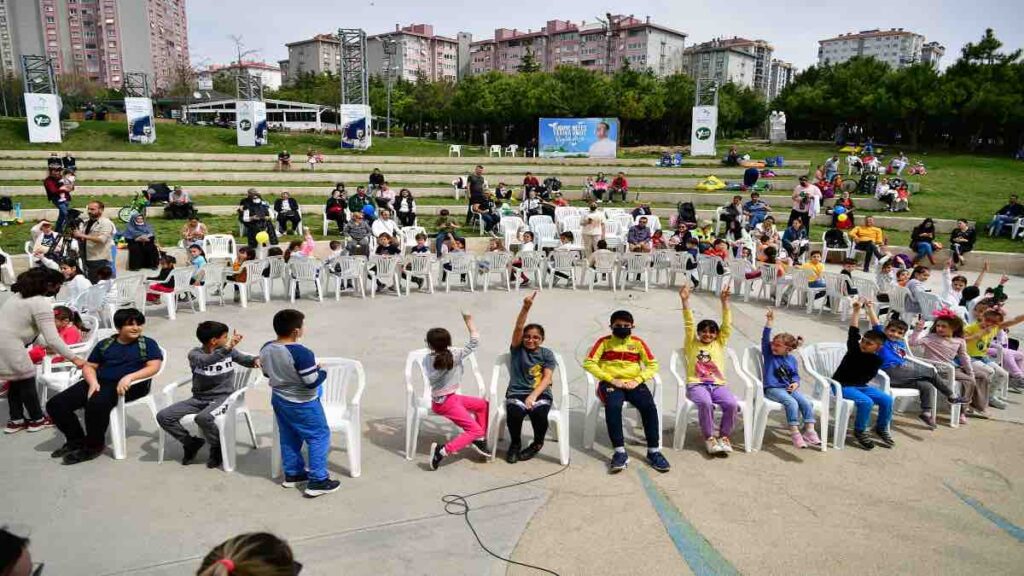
{"type": "Point", "coordinates": [686, 214]}
{"type": "Point", "coordinates": [665, 162]}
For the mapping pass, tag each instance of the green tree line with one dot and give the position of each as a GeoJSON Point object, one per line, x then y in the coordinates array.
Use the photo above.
{"type": "Point", "coordinates": [651, 110]}
{"type": "Point", "coordinates": [977, 103]}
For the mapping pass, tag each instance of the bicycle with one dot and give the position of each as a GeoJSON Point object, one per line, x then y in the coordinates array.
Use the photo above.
{"type": "Point", "coordinates": [138, 205]}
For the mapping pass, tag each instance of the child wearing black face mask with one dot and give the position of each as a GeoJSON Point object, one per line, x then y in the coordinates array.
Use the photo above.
{"type": "Point", "coordinates": [623, 364]}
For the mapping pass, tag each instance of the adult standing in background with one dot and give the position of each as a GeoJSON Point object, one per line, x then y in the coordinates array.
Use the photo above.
{"type": "Point", "coordinates": [57, 194]}
{"type": "Point", "coordinates": [806, 202]}
{"type": "Point", "coordinates": [476, 186]}
{"type": "Point", "coordinates": [98, 235]}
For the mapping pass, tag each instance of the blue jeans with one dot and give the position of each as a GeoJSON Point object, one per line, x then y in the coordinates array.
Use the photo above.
{"type": "Point", "coordinates": [302, 422]}
{"type": "Point", "coordinates": [62, 216]}
{"type": "Point", "coordinates": [795, 403]}
{"type": "Point", "coordinates": [996, 226]}
{"type": "Point", "coordinates": [756, 218]}
{"type": "Point", "coordinates": [864, 397]}
{"type": "Point", "coordinates": [816, 284]}
{"type": "Point", "coordinates": [924, 249]}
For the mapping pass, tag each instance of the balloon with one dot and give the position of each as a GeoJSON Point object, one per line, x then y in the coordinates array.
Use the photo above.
{"type": "Point", "coordinates": [842, 218]}
{"type": "Point", "coordinates": [839, 210]}
{"type": "Point", "coordinates": [262, 237]}
{"type": "Point", "coordinates": [369, 210]}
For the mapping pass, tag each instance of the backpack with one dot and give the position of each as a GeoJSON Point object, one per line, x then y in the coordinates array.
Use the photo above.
{"type": "Point", "coordinates": [903, 261]}
{"type": "Point", "coordinates": [834, 238]}
{"type": "Point", "coordinates": [141, 341]}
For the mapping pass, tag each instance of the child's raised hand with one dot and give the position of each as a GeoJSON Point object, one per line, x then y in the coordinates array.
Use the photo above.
{"type": "Point", "coordinates": [726, 293]}
{"type": "Point", "coordinates": [684, 292]}
{"type": "Point", "coordinates": [858, 303]}
{"type": "Point", "coordinates": [868, 304]}
{"type": "Point", "coordinates": [1003, 279]}
{"type": "Point", "coordinates": [528, 301]}
{"type": "Point", "coordinates": [235, 338]}
{"type": "Point", "coordinates": [467, 317]}
{"type": "Point", "coordinates": [769, 315]}
{"type": "Point", "coordinates": [984, 267]}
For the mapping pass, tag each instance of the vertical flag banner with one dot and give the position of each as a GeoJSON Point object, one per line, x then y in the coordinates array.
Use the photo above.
{"type": "Point", "coordinates": [43, 114]}
{"type": "Point", "coordinates": [259, 115]}
{"type": "Point", "coordinates": [245, 122]}
{"type": "Point", "coordinates": [578, 137]}
{"type": "Point", "coordinates": [703, 128]}
{"type": "Point", "coordinates": [141, 127]}
{"type": "Point", "coordinates": [356, 131]}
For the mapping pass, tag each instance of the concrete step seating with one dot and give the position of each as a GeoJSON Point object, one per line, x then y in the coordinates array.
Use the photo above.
{"type": "Point", "coordinates": [298, 157]}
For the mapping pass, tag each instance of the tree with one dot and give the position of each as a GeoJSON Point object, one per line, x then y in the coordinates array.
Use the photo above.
{"type": "Point", "coordinates": [528, 63]}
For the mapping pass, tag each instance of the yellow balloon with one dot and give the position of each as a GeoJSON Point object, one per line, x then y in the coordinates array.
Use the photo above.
{"type": "Point", "coordinates": [841, 218]}
{"type": "Point", "coordinates": [262, 237]}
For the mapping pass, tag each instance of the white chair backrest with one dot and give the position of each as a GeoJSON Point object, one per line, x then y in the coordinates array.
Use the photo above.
{"type": "Point", "coordinates": [736, 379]}
{"type": "Point", "coordinates": [564, 259]}
{"type": "Point", "coordinates": [496, 260]}
{"type": "Point", "coordinates": [681, 260]}
{"type": "Point", "coordinates": [384, 265]}
{"type": "Point", "coordinates": [460, 262]}
{"type": "Point", "coordinates": [532, 260]}
{"type": "Point", "coordinates": [419, 264]}
{"type": "Point", "coordinates": [409, 234]}
{"type": "Point", "coordinates": [801, 277]}
{"type": "Point", "coordinates": [540, 219]}
{"type": "Point", "coordinates": [769, 273]}
{"type": "Point", "coordinates": [127, 287]}
{"type": "Point", "coordinates": [866, 288]}
{"type": "Point", "coordinates": [544, 231]}
{"type": "Point", "coordinates": [605, 261]}
{"type": "Point", "coordinates": [182, 277]}
{"type": "Point", "coordinates": [709, 264]}
{"type": "Point", "coordinates": [822, 359]}
{"type": "Point", "coordinates": [342, 375]}
{"type": "Point", "coordinates": [625, 220]}
{"type": "Point", "coordinates": [563, 211]}
{"type": "Point", "coordinates": [254, 270]}
{"type": "Point", "coordinates": [636, 262]}
{"type": "Point", "coordinates": [349, 267]}
{"type": "Point", "coordinates": [496, 148]}
{"type": "Point", "coordinates": [559, 382]}
{"type": "Point", "coordinates": [898, 297]}
{"type": "Point", "coordinates": [511, 224]}
{"type": "Point", "coordinates": [307, 269]}
{"type": "Point", "coordinates": [612, 228]}
{"type": "Point", "coordinates": [219, 246]}
{"type": "Point", "coordinates": [653, 222]}
{"type": "Point", "coordinates": [91, 301]}
{"type": "Point", "coordinates": [414, 364]}
{"type": "Point", "coordinates": [835, 284]}
{"type": "Point", "coordinates": [929, 304]}
{"type": "Point", "coordinates": [571, 222]}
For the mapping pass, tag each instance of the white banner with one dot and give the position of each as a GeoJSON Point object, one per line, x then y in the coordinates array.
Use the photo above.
{"type": "Point", "coordinates": [245, 119]}
{"type": "Point", "coordinates": [43, 114]}
{"type": "Point", "coordinates": [704, 126]}
{"type": "Point", "coordinates": [141, 126]}
{"type": "Point", "coordinates": [356, 133]}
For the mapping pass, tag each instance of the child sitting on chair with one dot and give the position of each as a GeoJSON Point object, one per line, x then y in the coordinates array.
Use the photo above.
{"type": "Point", "coordinates": [781, 380]}
{"type": "Point", "coordinates": [945, 343]}
{"type": "Point", "coordinates": [856, 370]}
{"type": "Point", "coordinates": [69, 328]}
{"type": "Point", "coordinates": [705, 372]}
{"type": "Point", "coordinates": [443, 367]}
{"type": "Point", "coordinates": [212, 364]}
{"type": "Point", "coordinates": [531, 367]}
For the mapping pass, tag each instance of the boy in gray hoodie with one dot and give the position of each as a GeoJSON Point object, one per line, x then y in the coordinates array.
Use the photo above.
{"type": "Point", "coordinates": [213, 373]}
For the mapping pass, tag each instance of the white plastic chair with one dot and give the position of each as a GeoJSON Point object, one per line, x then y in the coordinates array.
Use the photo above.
{"type": "Point", "coordinates": [539, 219]}
{"type": "Point", "coordinates": [496, 264]}
{"type": "Point", "coordinates": [305, 270]}
{"type": "Point", "coordinates": [604, 267]}
{"type": "Point", "coordinates": [226, 417]}
{"type": "Point", "coordinates": [253, 277]}
{"type": "Point", "coordinates": [462, 266]}
{"type": "Point", "coordinates": [419, 266]}
{"type": "Point", "coordinates": [94, 301]}
{"type": "Point", "coordinates": [826, 250]}
{"type": "Point", "coordinates": [127, 292]}
{"type": "Point", "coordinates": [346, 269]}
{"type": "Point", "coordinates": [562, 211]}
{"type": "Point", "coordinates": [653, 222]}
{"type": "Point", "coordinates": [835, 292]}
{"type": "Point", "coordinates": [799, 292]}
{"type": "Point", "coordinates": [898, 299]}
{"type": "Point", "coordinates": [495, 151]}
{"type": "Point", "coordinates": [686, 410]}
{"type": "Point", "coordinates": [57, 376]}
{"type": "Point", "coordinates": [277, 269]}
{"type": "Point", "coordinates": [534, 265]}
{"type": "Point", "coordinates": [408, 234]}
{"type": "Point", "coordinates": [566, 262]}
{"type": "Point", "coordinates": [511, 150]}
{"type": "Point", "coordinates": [219, 246]}
{"type": "Point", "coordinates": [768, 288]}
{"type": "Point", "coordinates": [418, 402]}
{"type": "Point", "coordinates": [182, 278]}
{"type": "Point", "coordinates": [386, 270]}
{"type": "Point", "coordinates": [817, 393]}
{"type": "Point", "coordinates": [741, 285]}
{"type": "Point", "coordinates": [455, 150]}
{"type": "Point", "coordinates": [823, 358]}
{"type": "Point", "coordinates": [635, 264]}
{"type": "Point", "coordinates": [929, 304]}
{"type": "Point", "coordinates": [558, 414]}
{"type": "Point", "coordinates": [595, 407]}
{"type": "Point", "coordinates": [343, 414]}
{"type": "Point", "coordinates": [511, 227]}
{"type": "Point", "coordinates": [545, 234]}
{"type": "Point", "coordinates": [571, 223]}
{"type": "Point", "coordinates": [679, 263]}
{"type": "Point", "coordinates": [708, 267]}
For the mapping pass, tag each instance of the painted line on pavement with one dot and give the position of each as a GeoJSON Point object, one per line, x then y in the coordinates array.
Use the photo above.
{"type": "Point", "coordinates": [1005, 525]}
{"type": "Point", "coordinates": [698, 553]}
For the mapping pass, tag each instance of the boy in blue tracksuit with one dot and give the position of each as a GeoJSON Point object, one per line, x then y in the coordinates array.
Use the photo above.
{"type": "Point", "coordinates": [295, 380]}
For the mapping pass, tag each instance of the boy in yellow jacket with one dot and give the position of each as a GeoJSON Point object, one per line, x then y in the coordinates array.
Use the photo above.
{"type": "Point", "coordinates": [623, 364]}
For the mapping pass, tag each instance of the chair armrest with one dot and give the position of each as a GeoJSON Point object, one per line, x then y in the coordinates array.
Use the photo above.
{"type": "Point", "coordinates": [881, 380]}
{"type": "Point", "coordinates": [230, 402]}
{"type": "Point", "coordinates": [169, 389]}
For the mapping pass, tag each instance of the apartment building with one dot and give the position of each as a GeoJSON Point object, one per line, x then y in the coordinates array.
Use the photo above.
{"type": "Point", "coordinates": [270, 76]}
{"type": "Point", "coordinates": [630, 42]}
{"type": "Point", "coordinates": [418, 51]}
{"type": "Point", "coordinates": [317, 55]}
{"type": "Point", "coordinates": [780, 75]}
{"type": "Point", "coordinates": [896, 47]}
{"type": "Point", "coordinates": [98, 39]}
{"type": "Point", "coordinates": [738, 60]}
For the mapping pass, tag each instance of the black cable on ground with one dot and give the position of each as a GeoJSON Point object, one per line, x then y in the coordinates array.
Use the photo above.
{"type": "Point", "coordinates": [458, 505]}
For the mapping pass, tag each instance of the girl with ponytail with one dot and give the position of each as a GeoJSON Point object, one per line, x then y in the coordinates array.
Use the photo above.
{"type": "Point", "coordinates": [443, 368]}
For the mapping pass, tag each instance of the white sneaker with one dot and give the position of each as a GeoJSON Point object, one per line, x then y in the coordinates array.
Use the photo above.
{"type": "Point", "coordinates": [725, 445]}
{"type": "Point", "coordinates": [712, 446]}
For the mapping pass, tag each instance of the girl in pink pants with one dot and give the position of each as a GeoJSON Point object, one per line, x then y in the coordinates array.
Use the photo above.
{"type": "Point", "coordinates": [443, 368]}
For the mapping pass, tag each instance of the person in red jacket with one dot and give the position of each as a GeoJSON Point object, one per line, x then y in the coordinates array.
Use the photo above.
{"type": "Point", "coordinates": [619, 186]}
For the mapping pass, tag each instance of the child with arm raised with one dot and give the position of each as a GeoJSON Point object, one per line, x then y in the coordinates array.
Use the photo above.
{"type": "Point", "coordinates": [531, 367]}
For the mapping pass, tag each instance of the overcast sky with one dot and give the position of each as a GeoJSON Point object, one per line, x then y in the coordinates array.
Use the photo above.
{"type": "Point", "coordinates": [792, 26]}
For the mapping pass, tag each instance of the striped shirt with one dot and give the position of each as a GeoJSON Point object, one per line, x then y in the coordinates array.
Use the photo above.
{"type": "Point", "coordinates": [292, 370]}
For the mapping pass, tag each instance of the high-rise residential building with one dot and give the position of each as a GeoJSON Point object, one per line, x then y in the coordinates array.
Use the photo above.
{"type": "Point", "coordinates": [317, 55]}
{"type": "Point", "coordinates": [896, 47]}
{"type": "Point", "coordinates": [270, 76]}
{"type": "Point", "coordinates": [780, 75]}
{"type": "Point", "coordinates": [98, 39]}
{"type": "Point", "coordinates": [631, 42]}
{"type": "Point", "coordinates": [932, 52]}
{"type": "Point", "coordinates": [723, 60]}
{"type": "Point", "coordinates": [417, 52]}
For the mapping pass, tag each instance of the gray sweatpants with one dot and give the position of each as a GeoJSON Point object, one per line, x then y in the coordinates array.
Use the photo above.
{"type": "Point", "coordinates": [921, 378]}
{"type": "Point", "coordinates": [170, 419]}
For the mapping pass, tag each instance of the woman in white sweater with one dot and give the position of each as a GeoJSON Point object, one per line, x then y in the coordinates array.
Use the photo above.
{"type": "Point", "coordinates": [26, 315]}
